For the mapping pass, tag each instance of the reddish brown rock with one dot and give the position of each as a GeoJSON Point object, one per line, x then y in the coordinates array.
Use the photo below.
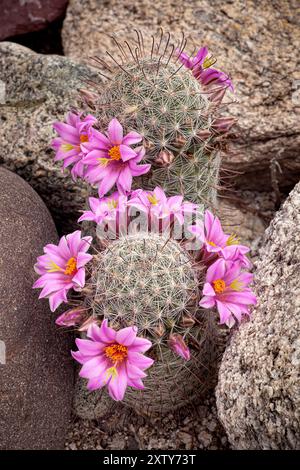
{"type": "Point", "coordinates": [24, 16]}
{"type": "Point", "coordinates": [36, 371]}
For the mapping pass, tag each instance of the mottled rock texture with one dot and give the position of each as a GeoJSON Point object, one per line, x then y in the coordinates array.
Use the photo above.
{"type": "Point", "coordinates": [255, 42]}
{"type": "Point", "coordinates": [38, 90]}
{"type": "Point", "coordinates": [36, 379]}
{"type": "Point", "coordinates": [24, 16]}
{"type": "Point", "coordinates": [258, 394]}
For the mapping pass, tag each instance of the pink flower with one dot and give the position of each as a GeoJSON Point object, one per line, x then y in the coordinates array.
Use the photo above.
{"type": "Point", "coordinates": [111, 160]}
{"type": "Point", "coordinates": [177, 344]}
{"type": "Point", "coordinates": [200, 65]}
{"type": "Point", "coordinates": [216, 242]}
{"type": "Point", "coordinates": [105, 209]}
{"type": "Point", "coordinates": [157, 204]}
{"type": "Point", "coordinates": [113, 358]}
{"type": "Point", "coordinates": [70, 146]}
{"type": "Point", "coordinates": [71, 317]}
{"type": "Point", "coordinates": [61, 268]}
{"type": "Point", "coordinates": [226, 287]}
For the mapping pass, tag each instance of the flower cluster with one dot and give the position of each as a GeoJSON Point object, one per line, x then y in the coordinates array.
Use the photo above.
{"type": "Point", "coordinates": [110, 161]}
{"type": "Point", "coordinates": [201, 67]}
{"type": "Point", "coordinates": [102, 160]}
{"type": "Point", "coordinates": [227, 280]}
{"type": "Point", "coordinates": [155, 204]}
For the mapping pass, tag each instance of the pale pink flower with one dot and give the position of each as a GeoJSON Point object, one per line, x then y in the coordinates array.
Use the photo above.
{"type": "Point", "coordinates": [71, 317]}
{"type": "Point", "coordinates": [216, 242]}
{"type": "Point", "coordinates": [70, 146]}
{"type": "Point", "coordinates": [226, 287]}
{"type": "Point", "coordinates": [105, 209]}
{"type": "Point", "coordinates": [156, 203]}
{"type": "Point", "coordinates": [113, 358]}
{"type": "Point", "coordinates": [111, 160]}
{"type": "Point", "coordinates": [62, 268]}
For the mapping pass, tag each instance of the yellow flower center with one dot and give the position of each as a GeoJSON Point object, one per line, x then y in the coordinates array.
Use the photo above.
{"type": "Point", "coordinates": [208, 62]}
{"type": "Point", "coordinates": [232, 240]}
{"type": "Point", "coordinates": [84, 138]}
{"type": "Point", "coordinates": [153, 199]}
{"type": "Point", "coordinates": [219, 286]}
{"type": "Point", "coordinates": [211, 243]}
{"type": "Point", "coordinates": [116, 353]}
{"type": "Point", "coordinates": [115, 153]}
{"type": "Point", "coordinates": [71, 267]}
{"type": "Point", "coordinates": [66, 147]}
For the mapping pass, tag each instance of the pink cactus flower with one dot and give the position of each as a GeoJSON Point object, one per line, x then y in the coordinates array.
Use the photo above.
{"type": "Point", "coordinates": [216, 242]}
{"type": "Point", "coordinates": [105, 209]}
{"type": "Point", "coordinates": [201, 67]}
{"type": "Point", "coordinates": [111, 160]}
{"type": "Point", "coordinates": [113, 358]}
{"type": "Point", "coordinates": [157, 204]}
{"type": "Point", "coordinates": [226, 287]}
{"type": "Point", "coordinates": [61, 268]}
{"type": "Point", "coordinates": [72, 317]}
{"type": "Point", "coordinates": [70, 146]}
{"type": "Point", "coordinates": [177, 344]}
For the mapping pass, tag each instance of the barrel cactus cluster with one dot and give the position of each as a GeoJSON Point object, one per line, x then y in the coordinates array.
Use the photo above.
{"type": "Point", "coordinates": [145, 291]}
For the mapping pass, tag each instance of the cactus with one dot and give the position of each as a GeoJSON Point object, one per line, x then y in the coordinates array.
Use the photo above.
{"type": "Point", "coordinates": [152, 282]}
{"type": "Point", "coordinates": [175, 114]}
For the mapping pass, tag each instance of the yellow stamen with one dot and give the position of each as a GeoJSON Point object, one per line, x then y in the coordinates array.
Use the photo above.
{"type": "Point", "coordinates": [66, 147]}
{"type": "Point", "coordinates": [103, 161]}
{"type": "Point", "coordinates": [115, 153]}
{"type": "Point", "coordinates": [236, 285]}
{"type": "Point", "coordinates": [112, 203]}
{"type": "Point", "coordinates": [111, 373]}
{"type": "Point", "coordinates": [211, 243]}
{"type": "Point", "coordinates": [153, 199]}
{"type": "Point", "coordinates": [116, 353]}
{"type": "Point", "coordinates": [53, 267]}
{"type": "Point", "coordinates": [71, 267]}
{"type": "Point", "coordinates": [219, 286]}
{"type": "Point", "coordinates": [208, 62]}
{"type": "Point", "coordinates": [84, 138]}
{"type": "Point", "coordinates": [232, 240]}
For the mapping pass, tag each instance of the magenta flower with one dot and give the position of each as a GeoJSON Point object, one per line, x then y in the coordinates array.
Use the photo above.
{"type": "Point", "coordinates": [177, 344]}
{"type": "Point", "coordinates": [216, 242]}
{"type": "Point", "coordinates": [61, 268]}
{"type": "Point", "coordinates": [113, 358]}
{"type": "Point", "coordinates": [157, 204]}
{"type": "Point", "coordinates": [105, 209]}
{"type": "Point", "coordinates": [111, 160]}
{"type": "Point", "coordinates": [70, 146]}
{"type": "Point", "coordinates": [226, 287]}
{"type": "Point", "coordinates": [201, 67]}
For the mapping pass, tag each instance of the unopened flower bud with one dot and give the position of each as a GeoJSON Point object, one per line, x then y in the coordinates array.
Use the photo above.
{"type": "Point", "coordinates": [177, 344]}
{"type": "Point", "coordinates": [164, 158]}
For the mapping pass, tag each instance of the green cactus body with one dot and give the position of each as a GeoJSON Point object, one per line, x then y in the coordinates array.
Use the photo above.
{"type": "Point", "coordinates": [153, 283]}
{"type": "Point", "coordinates": [175, 115]}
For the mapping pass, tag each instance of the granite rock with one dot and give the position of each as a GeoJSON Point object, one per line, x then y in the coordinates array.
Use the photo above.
{"type": "Point", "coordinates": [255, 44]}
{"type": "Point", "coordinates": [25, 16]}
{"type": "Point", "coordinates": [36, 372]}
{"type": "Point", "coordinates": [39, 90]}
{"type": "Point", "coordinates": [259, 380]}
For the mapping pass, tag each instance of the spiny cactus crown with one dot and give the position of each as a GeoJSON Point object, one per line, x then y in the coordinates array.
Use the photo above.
{"type": "Point", "coordinates": [148, 281]}
{"type": "Point", "coordinates": [160, 98]}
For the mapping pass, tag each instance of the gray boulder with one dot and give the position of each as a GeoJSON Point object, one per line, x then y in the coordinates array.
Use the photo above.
{"type": "Point", "coordinates": [258, 394]}
{"type": "Point", "coordinates": [36, 371]}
